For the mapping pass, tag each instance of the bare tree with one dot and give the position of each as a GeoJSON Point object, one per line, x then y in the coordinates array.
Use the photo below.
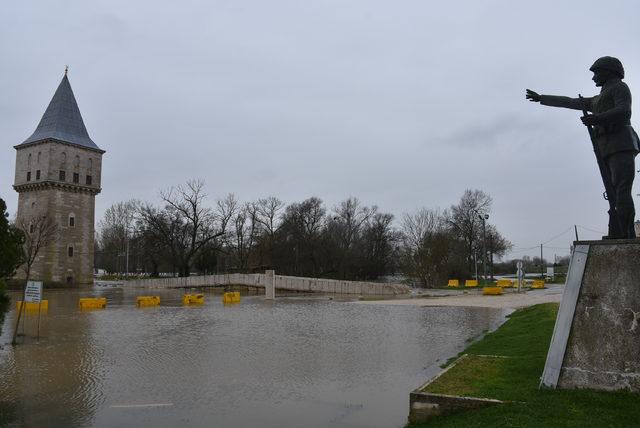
{"type": "Point", "coordinates": [246, 228]}
{"type": "Point", "coordinates": [351, 216]}
{"type": "Point", "coordinates": [185, 225]}
{"type": "Point", "coordinates": [268, 216]}
{"type": "Point", "coordinates": [378, 246]}
{"type": "Point", "coordinates": [268, 211]}
{"type": "Point", "coordinates": [39, 231]}
{"type": "Point", "coordinates": [117, 230]}
{"type": "Point", "coordinates": [465, 221]}
{"type": "Point", "coordinates": [302, 231]}
{"type": "Point", "coordinates": [430, 248]}
{"type": "Point", "coordinates": [497, 245]}
{"type": "Point", "coordinates": [347, 224]}
{"type": "Point", "coordinates": [417, 227]}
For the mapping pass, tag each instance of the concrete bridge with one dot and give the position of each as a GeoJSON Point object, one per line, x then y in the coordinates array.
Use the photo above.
{"type": "Point", "coordinates": [281, 282]}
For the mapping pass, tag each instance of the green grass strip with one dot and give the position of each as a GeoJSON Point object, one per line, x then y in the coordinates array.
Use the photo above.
{"type": "Point", "coordinates": [523, 342]}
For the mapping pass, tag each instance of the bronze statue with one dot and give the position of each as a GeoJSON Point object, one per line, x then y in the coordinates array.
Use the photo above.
{"type": "Point", "coordinates": [615, 142]}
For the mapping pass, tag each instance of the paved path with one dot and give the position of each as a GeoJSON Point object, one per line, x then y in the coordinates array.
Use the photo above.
{"type": "Point", "coordinates": [508, 300]}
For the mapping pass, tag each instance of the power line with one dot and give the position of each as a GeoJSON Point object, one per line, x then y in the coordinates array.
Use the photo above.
{"type": "Point", "coordinates": [591, 230]}
{"type": "Point", "coordinates": [517, 250]}
{"type": "Point", "coordinates": [524, 248]}
{"type": "Point", "coordinates": [558, 235]}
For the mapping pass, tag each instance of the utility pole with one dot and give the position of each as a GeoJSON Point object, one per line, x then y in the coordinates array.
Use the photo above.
{"type": "Point", "coordinates": [541, 263]}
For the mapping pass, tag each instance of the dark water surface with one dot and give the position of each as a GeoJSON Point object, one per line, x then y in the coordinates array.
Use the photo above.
{"type": "Point", "coordinates": [294, 362]}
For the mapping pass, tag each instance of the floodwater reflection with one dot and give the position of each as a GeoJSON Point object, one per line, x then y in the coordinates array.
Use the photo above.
{"type": "Point", "coordinates": [298, 361]}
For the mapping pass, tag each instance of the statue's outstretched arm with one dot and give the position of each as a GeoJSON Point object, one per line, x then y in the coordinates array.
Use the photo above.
{"type": "Point", "coordinates": [557, 101]}
{"type": "Point", "coordinates": [567, 102]}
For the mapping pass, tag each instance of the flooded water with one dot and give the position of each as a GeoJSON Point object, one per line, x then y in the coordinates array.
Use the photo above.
{"type": "Point", "coordinates": [298, 361]}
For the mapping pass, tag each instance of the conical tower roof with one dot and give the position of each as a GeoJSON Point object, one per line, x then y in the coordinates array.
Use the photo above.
{"type": "Point", "coordinates": [62, 120]}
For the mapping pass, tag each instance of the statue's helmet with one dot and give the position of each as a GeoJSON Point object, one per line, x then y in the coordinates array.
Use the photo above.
{"type": "Point", "coordinates": [609, 63]}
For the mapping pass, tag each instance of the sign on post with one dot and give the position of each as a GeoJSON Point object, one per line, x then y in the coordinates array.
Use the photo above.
{"type": "Point", "coordinates": [520, 274]}
{"type": "Point", "coordinates": [33, 292]}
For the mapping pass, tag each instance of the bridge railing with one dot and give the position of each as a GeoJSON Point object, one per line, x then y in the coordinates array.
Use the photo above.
{"type": "Point", "coordinates": [283, 282]}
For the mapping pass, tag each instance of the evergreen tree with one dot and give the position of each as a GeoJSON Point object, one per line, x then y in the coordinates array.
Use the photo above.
{"type": "Point", "coordinates": [11, 253]}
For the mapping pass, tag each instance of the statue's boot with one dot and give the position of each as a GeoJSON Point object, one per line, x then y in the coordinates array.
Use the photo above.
{"type": "Point", "coordinates": [626, 216]}
{"type": "Point", "coordinates": [614, 226]}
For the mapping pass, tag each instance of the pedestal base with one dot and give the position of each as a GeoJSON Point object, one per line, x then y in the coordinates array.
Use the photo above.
{"type": "Point", "coordinates": [596, 339]}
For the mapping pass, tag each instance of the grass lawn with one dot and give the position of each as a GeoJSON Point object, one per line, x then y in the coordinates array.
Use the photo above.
{"type": "Point", "coordinates": [523, 340]}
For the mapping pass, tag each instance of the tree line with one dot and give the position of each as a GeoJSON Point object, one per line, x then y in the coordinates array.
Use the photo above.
{"type": "Point", "coordinates": [186, 234]}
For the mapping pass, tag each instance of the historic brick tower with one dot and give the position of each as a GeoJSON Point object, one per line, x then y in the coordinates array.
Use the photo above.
{"type": "Point", "coordinates": [58, 176]}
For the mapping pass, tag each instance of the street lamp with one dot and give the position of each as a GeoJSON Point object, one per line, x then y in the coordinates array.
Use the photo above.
{"type": "Point", "coordinates": [484, 218]}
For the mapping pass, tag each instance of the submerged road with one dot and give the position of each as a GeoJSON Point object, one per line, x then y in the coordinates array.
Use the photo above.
{"type": "Point", "coordinates": [509, 300]}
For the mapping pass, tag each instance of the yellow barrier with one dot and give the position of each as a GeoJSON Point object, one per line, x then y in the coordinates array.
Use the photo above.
{"type": "Point", "coordinates": [192, 299]}
{"type": "Point", "coordinates": [492, 291]}
{"type": "Point", "coordinates": [92, 303]}
{"type": "Point", "coordinates": [505, 283]}
{"type": "Point", "coordinates": [147, 301]}
{"type": "Point", "coordinates": [33, 307]}
{"type": "Point", "coordinates": [537, 284]}
{"type": "Point", "coordinates": [471, 283]}
{"type": "Point", "coordinates": [232, 297]}
{"type": "Point", "coordinates": [453, 283]}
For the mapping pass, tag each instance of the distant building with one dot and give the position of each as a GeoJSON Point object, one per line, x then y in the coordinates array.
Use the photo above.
{"type": "Point", "coordinates": [58, 172]}
{"type": "Point", "coordinates": [637, 227]}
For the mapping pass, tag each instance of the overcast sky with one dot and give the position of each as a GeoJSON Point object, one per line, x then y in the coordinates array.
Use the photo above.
{"type": "Point", "coordinates": [403, 104]}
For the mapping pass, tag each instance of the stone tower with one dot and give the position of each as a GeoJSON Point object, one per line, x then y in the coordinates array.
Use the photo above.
{"type": "Point", "coordinates": [58, 172]}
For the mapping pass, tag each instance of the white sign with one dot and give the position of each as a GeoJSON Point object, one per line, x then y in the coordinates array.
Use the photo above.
{"type": "Point", "coordinates": [33, 292]}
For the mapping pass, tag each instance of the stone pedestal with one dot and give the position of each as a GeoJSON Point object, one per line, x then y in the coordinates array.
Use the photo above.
{"type": "Point", "coordinates": [596, 339]}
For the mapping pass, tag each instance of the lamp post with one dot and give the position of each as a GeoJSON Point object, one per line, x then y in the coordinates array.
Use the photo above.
{"type": "Point", "coordinates": [475, 257]}
{"type": "Point", "coordinates": [484, 218]}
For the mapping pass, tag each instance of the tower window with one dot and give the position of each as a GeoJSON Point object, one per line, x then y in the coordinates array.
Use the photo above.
{"type": "Point", "coordinates": [31, 228]}
{"type": "Point", "coordinates": [63, 175]}
{"type": "Point", "coordinates": [28, 175]}
{"type": "Point", "coordinates": [76, 177]}
{"type": "Point", "coordinates": [37, 174]}
{"type": "Point", "coordinates": [88, 180]}
{"type": "Point", "coordinates": [72, 221]}
{"type": "Point", "coordinates": [70, 250]}
{"type": "Point", "coordinates": [38, 157]}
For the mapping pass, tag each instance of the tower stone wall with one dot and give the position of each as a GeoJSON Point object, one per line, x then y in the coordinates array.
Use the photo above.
{"type": "Point", "coordinates": [58, 173]}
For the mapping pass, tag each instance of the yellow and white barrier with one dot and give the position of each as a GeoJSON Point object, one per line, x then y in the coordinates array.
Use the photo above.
{"type": "Point", "coordinates": [192, 299]}
{"type": "Point", "coordinates": [231, 297]}
{"type": "Point", "coordinates": [492, 291]}
{"type": "Point", "coordinates": [147, 301]}
{"type": "Point", "coordinates": [537, 284]}
{"type": "Point", "coordinates": [33, 307]}
{"type": "Point", "coordinates": [471, 283]}
{"type": "Point", "coordinates": [92, 303]}
{"type": "Point", "coordinates": [505, 283]}
{"type": "Point", "coordinates": [453, 283]}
